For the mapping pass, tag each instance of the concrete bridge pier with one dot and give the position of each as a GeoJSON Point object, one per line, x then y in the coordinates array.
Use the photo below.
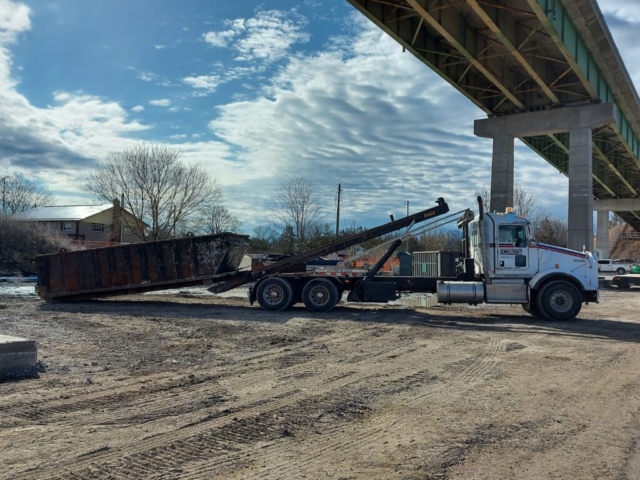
{"type": "Point", "coordinates": [603, 207]}
{"type": "Point", "coordinates": [602, 233]}
{"type": "Point", "coordinates": [579, 122]}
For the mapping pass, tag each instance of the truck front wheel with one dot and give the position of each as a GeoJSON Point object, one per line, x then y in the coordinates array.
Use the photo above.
{"type": "Point", "coordinates": [275, 294]}
{"type": "Point", "coordinates": [559, 300]}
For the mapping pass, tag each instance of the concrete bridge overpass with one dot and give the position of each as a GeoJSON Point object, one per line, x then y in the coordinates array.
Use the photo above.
{"type": "Point", "coordinates": [516, 57]}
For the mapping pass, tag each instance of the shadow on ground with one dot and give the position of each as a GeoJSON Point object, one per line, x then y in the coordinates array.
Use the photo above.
{"type": "Point", "coordinates": [476, 320]}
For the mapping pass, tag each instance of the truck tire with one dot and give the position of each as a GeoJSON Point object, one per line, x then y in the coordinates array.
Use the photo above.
{"type": "Point", "coordinates": [559, 300]}
{"type": "Point", "coordinates": [320, 295]}
{"type": "Point", "coordinates": [621, 271]}
{"type": "Point", "coordinates": [274, 294]}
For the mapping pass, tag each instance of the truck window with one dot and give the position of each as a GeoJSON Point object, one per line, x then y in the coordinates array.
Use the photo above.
{"type": "Point", "coordinates": [512, 235]}
{"type": "Point", "coordinates": [603, 262]}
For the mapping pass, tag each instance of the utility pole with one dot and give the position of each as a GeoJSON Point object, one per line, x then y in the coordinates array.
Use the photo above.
{"type": "Point", "coordinates": [406, 243]}
{"type": "Point", "coordinates": [338, 212]}
{"type": "Point", "coordinates": [4, 192]}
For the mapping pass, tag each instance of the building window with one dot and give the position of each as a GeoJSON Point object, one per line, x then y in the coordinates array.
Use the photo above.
{"type": "Point", "coordinates": [127, 230]}
{"type": "Point", "coordinates": [97, 227]}
{"type": "Point", "coordinates": [67, 227]}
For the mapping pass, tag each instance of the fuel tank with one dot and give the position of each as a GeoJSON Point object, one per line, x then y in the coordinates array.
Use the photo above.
{"type": "Point", "coordinates": [460, 292]}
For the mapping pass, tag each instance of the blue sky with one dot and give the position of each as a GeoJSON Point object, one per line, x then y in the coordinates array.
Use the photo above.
{"type": "Point", "coordinates": [255, 92]}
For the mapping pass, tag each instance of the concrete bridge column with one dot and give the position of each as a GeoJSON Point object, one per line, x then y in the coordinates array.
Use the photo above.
{"type": "Point", "coordinates": [580, 189]}
{"type": "Point", "coordinates": [602, 234]}
{"type": "Point", "coordinates": [502, 173]}
{"type": "Point", "coordinates": [579, 122]}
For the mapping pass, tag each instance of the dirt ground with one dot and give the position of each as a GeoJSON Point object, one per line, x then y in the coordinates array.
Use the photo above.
{"type": "Point", "coordinates": [191, 387]}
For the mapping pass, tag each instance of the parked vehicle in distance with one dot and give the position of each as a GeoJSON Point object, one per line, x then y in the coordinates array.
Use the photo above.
{"type": "Point", "coordinates": [625, 282]}
{"type": "Point", "coordinates": [619, 266]}
{"type": "Point", "coordinates": [624, 260]}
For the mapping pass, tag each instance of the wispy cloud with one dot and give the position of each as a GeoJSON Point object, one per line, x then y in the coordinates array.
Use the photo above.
{"type": "Point", "coordinates": [162, 102]}
{"type": "Point", "coordinates": [205, 82]}
{"type": "Point", "coordinates": [146, 76]}
{"type": "Point", "coordinates": [267, 37]}
{"type": "Point", "coordinates": [160, 47]}
{"type": "Point", "coordinates": [138, 108]}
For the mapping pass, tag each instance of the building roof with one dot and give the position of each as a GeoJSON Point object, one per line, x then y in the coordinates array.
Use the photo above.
{"type": "Point", "coordinates": [70, 213]}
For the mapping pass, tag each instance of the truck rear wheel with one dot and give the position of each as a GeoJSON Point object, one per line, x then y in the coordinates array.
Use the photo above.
{"type": "Point", "coordinates": [621, 271]}
{"type": "Point", "coordinates": [320, 295]}
{"type": "Point", "coordinates": [559, 300]}
{"type": "Point", "coordinates": [274, 294]}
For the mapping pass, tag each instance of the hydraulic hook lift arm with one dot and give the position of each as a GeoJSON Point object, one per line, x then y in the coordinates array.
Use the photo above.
{"type": "Point", "coordinates": [245, 277]}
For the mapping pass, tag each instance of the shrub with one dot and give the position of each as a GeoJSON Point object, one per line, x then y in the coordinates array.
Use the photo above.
{"type": "Point", "coordinates": [20, 242]}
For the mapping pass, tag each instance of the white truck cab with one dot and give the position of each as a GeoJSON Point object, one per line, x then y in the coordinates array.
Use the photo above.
{"type": "Point", "coordinates": [511, 267]}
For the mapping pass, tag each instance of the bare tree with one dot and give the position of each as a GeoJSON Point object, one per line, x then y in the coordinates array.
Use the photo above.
{"type": "Point", "coordinates": [217, 219]}
{"type": "Point", "coordinates": [20, 194]}
{"type": "Point", "coordinates": [263, 239]}
{"type": "Point", "coordinates": [552, 230]}
{"type": "Point", "coordinates": [156, 186]}
{"type": "Point", "coordinates": [524, 203]}
{"type": "Point", "coordinates": [294, 205]}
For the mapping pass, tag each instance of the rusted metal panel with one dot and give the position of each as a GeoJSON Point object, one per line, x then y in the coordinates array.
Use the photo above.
{"type": "Point", "coordinates": [138, 267]}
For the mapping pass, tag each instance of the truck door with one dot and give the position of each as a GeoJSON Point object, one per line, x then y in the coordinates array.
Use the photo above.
{"type": "Point", "coordinates": [512, 250]}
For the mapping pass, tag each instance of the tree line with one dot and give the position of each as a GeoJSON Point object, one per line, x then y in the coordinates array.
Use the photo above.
{"type": "Point", "coordinates": [173, 198]}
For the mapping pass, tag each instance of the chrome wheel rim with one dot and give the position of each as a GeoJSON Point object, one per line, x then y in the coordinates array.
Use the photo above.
{"type": "Point", "coordinates": [561, 301]}
{"type": "Point", "coordinates": [319, 295]}
{"type": "Point", "coordinates": [273, 294]}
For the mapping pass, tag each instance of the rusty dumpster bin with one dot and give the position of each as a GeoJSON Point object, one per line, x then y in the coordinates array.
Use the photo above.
{"type": "Point", "coordinates": [138, 267]}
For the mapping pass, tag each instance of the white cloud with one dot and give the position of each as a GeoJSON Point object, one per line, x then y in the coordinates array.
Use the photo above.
{"type": "Point", "coordinates": [623, 9]}
{"type": "Point", "coordinates": [146, 76]}
{"type": "Point", "coordinates": [138, 108]}
{"type": "Point", "coordinates": [219, 39]}
{"type": "Point", "coordinates": [163, 102]}
{"type": "Point", "coordinates": [14, 19]}
{"type": "Point", "coordinates": [174, 109]}
{"type": "Point", "coordinates": [206, 82]}
{"type": "Point", "coordinates": [180, 135]}
{"type": "Point", "coordinates": [267, 37]}
{"type": "Point", "coordinates": [160, 47]}
{"type": "Point", "coordinates": [623, 19]}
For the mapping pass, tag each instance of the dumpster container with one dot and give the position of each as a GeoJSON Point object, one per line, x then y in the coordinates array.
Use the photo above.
{"type": "Point", "coordinates": [138, 267]}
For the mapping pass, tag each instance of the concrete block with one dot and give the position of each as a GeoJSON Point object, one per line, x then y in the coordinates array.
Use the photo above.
{"type": "Point", "coordinates": [17, 356]}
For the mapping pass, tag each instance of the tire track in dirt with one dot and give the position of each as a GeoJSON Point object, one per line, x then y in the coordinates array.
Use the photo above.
{"type": "Point", "coordinates": [285, 407]}
{"type": "Point", "coordinates": [380, 346]}
{"type": "Point", "coordinates": [335, 440]}
{"type": "Point", "coordinates": [134, 387]}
